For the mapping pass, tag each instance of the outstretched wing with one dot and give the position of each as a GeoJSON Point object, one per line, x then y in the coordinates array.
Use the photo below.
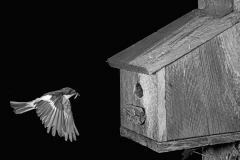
{"type": "Point", "coordinates": [58, 116]}
{"type": "Point", "coordinates": [54, 110]}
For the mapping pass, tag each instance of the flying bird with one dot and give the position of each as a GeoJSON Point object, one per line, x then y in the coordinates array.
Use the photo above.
{"type": "Point", "coordinates": [54, 110]}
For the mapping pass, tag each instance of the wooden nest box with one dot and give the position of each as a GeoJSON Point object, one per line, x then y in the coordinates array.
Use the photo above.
{"type": "Point", "coordinates": [180, 87]}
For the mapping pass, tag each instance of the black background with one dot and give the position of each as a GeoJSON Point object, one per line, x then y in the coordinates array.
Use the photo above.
{"type": "Point", "coordinates": [49, 46]}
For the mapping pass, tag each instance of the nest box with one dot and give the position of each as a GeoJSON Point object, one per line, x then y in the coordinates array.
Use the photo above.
{"type": "Point", "coordinates": [180, 86]}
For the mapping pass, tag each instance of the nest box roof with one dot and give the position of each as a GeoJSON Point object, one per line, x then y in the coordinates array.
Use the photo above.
{"type": "Point", "coordinates": [172, 42]}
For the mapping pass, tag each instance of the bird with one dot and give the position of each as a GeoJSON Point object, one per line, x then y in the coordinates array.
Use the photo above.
{"type": "Point", "coordinates": [54, 110]}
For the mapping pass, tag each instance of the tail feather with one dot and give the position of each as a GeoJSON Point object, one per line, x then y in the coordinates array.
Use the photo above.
{"type": "Point", "coordinates": [21, 107]}
{"type": "Point", "coordinates": [54, 110]}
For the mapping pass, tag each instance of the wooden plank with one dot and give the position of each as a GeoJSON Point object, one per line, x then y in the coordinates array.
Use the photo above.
{"type": "Point", "coordinates": [186, 113]}
{"type": "Point", "coordinates": [218, 8]}
{"type": "Point", "coordinates": [201, 4]}
{"type": "Point", "coordinates": [161, 108]}
{"type": "Point", "coordinates": [236, 5]}
{"type": "Point", "coordinates": [172, 42]}
{"type": "Point", "coordinates": [128, 80]}
{"type": "Point", "coordinates": [203, 89]}
{"type": "Point", "coordinates": [154, 103]}
{"type": "Point", "coordinates": [183, 43]}
{"type": "Point", "coordinates": [168, 146]}
{"type": "Point", "coordinates": [151, 100]}
{"type": "Point", "coordinates": [223, 53]}
{"type": "Point", "coordinates": [122, 60]}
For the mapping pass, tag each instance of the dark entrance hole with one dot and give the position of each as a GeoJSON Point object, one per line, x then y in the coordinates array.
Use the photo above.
{"type": "Point", "coordinates": [138, 90]}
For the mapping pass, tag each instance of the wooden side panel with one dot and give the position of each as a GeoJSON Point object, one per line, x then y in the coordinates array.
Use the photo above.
{"type": "Point", "coordinates": [203, 91]}
{"type": "Point", "coordinates": [236, 5]}
{"type": "Point", "coordinates": [186, 111]}
{"type": "Point", "coordinates": [224, 101]}
{"type": "Point", "coordinates": [217, 8]}
{"type": "Point", "coordinates": [151, 101]}
{"type": "Point", "coordinates": [161, 108]}
{"type": "Point", "coordinates": [154, 103]}
{"type": "Point", "coordinates": [128, 80]}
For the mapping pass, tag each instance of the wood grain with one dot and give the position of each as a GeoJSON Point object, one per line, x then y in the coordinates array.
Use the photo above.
{"type": "Point", "coordinates": [122, 60]}
{"type": "Point", "coordinates": [128, 80]}
{"type": "Point", "coordinates": [186, 113]}
{"type": "Point", "coordinates": [201, 4]}
{"type": "Point", "coordinates": [172, 42]}
{"type": "Point", "coordinates": [183, 42]}
{"type": "Point", "coordinates": [218, 8]}
{"type": "Point", "coordinates": [161, 108]}
{"type": "Point", "coordinates": [202, 91]}
{"type": "Point", "coordinates": [152, 102]}
{"type": "Point", "coordinates": [236, 5]}
{"type": "Point", "coordinates": [168, 146]}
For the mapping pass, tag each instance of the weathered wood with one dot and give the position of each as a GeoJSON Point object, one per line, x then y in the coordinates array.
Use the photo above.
{"type": "Point", "coordinates": [128, 80]}
{"type": "Point", "coordinates": [168, 146]}
{"type": "Point", "coordinates": [201, 4]}
{"type": "Point", "coordinates": [161, 108]}
{"type": "Point", "coordinates": [190, 103]}
{"type": "Point", "coordinates": [203, 89]}
{"type": "Point", "coordinates": [236, 5]}
{"type": "Point", "coordinates": [172, 42]}
{"type": "Point", "coordinates": [230, 41]}
{"type": "Point", "coordinates": [152, 102]}
{"type": "Point", "coordinates": [218, 8]}
{"type": "Point", "coordinates": [186, 113]}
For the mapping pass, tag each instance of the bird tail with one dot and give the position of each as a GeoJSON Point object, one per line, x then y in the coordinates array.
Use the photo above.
{"type": "Point", "coordinates": [21, 107]}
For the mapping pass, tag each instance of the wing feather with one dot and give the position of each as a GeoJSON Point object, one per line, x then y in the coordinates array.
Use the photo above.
{"type": "Point", "coordinates": [55, 123]}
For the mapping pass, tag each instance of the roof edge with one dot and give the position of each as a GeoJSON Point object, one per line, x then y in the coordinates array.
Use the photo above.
{"type": "Point", "coordinates": [172, 42]}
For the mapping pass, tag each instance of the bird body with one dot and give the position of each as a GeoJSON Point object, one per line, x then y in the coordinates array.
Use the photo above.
{"type": "Point", "coordinates": [54, 110]}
